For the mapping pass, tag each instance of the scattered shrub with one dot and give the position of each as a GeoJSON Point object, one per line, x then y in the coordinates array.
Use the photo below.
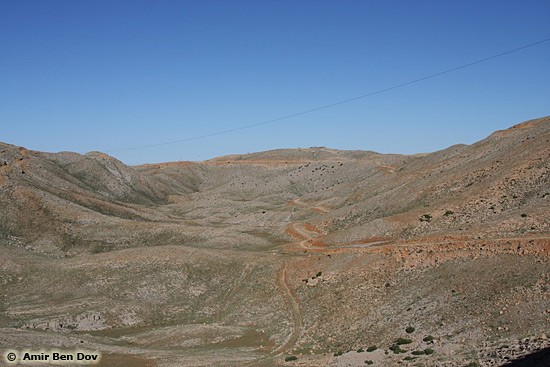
{"type": "Point", "coordinates": [409, 358]}
{"type": "Point", "coordinates": [429, 351]}
{"type": "Point", "coordinates": [429, 338]}
{"type": "Point", "coordinates": [360, 350]}
{"type": "Point", "coordinates": [319, 274]}
{"type": "Point", "coordinates": [290, 358]}
{"type": "Point", "coordinates": [523, 215]}
{"type": "Point", "coordinates": [418, 352]}
{"type": "Point", "coordinates": [473, 364]}
{"type": "Point", "coordinates": [426, 218]}
{"type": "Point", "coordinates": [401, 341]}
{"type": "Point", "coordinates": [338, 353]}
{"type": "Point", "coordinates": [448, 212]}
{"type": "Point", "coordinates": [396, 349]}
{"type": "Point", "coordinates": [372, 348]}
{"type": "Point", "coordinates": [410, 329]}
{"type": "Point", "coordinates": [368, 361]}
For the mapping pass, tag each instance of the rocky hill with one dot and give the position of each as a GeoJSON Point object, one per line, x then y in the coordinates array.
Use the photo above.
{"type": "Point", "coordinates": [317, 254]}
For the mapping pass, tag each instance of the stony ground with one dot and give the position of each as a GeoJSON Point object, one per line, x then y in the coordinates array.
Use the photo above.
{"type": "Point", "coordinates": [302, 257]}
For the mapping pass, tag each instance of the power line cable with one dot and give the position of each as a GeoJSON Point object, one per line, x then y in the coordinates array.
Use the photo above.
{"type": "Point", "coordinates": [332, 104]}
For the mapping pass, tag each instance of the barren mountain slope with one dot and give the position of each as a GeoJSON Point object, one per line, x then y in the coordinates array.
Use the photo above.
{"type": "Point", "coordinates": [249, 259]}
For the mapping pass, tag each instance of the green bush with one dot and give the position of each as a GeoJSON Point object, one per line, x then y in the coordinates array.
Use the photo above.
{"type": "Point", "coordinates": [290, 358]}
{"type": "Point", "coordinates": [426, 218]}
{"type": "Point", "coordinates": [401, 341]}
{"type": "Point", "coordinates": [473, 364]}
{"type": "Point", "coordinates": [418, 352]}
{"type": "Point", "coordinates": [448, 212]}
{"type": "Point", "coordinates": [338, 353]}
{"type": "Point", "coordinates": [396, 349]}
{"type": "Point", "coordinates": [360, 350]}
{"type": "Point", "coordinates": [429, 338]}
{"type": "Point", "coordinates": [410, 329]}
{"type": "Point", "coordinates": [372, 348]}
{"type": "Point", "coordinates": [409, 358]}
{"type": "Point", "coordinates": [429, 351]}
{"type": "Point", "coordinates": [523, 215]}
{"type": "Point", "coordinates": [368, 361]}
{"type": "Point", "coordinates": [319, 274]}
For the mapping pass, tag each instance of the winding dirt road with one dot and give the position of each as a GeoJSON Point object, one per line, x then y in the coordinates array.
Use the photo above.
{"type": "Point", "coordinates": [295, 309]}
{"type": "Point", "coordinates": [307, 238]}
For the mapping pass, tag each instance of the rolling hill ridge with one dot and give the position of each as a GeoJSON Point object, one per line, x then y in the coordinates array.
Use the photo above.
{"type": "Point", "coordinates": [313, 253]}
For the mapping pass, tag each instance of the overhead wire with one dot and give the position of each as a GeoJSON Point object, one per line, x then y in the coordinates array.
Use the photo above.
{"type": "Point", "coordinates": [331, 104]}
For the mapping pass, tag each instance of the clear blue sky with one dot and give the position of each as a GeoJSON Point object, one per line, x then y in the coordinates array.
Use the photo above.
{"type": "Point", "coordinates": [101, 75]}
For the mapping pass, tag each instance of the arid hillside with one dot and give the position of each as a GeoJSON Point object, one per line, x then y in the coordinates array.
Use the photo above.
{"type": "Point", "coordinates": [300, 257]}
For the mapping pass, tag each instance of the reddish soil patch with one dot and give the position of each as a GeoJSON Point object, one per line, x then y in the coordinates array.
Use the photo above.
{"type": "Point", "coordinates": [294, 234]}
{"type": "Point", "coordinates": [311, 228]}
